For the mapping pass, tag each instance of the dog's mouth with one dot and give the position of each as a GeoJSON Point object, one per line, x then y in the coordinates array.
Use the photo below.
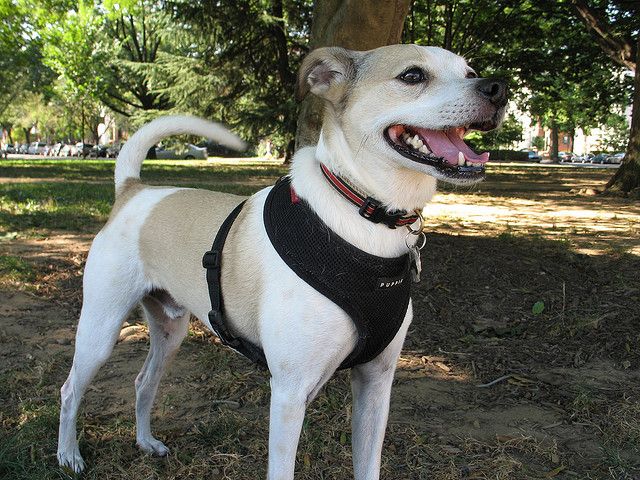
{"type": "Point", "coordinates": [443, 150]}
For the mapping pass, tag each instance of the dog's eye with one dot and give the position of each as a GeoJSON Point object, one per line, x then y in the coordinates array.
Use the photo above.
{"type": "Point", "coordinates": [413, 75]}
{"type": "Point", "coordinates": [472, 74]}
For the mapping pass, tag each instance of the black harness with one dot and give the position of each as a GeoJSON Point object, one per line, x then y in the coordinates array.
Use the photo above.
{"type": "Point", "coordinates": [374, 291]}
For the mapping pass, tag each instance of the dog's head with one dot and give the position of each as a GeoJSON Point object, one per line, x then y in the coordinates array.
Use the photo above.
{"type": "Point", "coordinates": [404, 107]}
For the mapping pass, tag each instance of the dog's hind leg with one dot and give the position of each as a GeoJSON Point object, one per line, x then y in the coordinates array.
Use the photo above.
{"type": "Point", "coordinates": [111, 288]}
{"type": "Point", "coordinates": [168, 325]}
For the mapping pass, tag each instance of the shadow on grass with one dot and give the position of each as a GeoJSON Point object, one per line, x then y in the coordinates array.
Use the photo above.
{"type": "Point", "coordinates": [475, 288]}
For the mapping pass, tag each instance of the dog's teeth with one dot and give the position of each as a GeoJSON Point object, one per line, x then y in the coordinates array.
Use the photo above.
{"type": "Point", "coordinates": [461, 159]}
{"type": "Point", "coordinates": [405, 136]}
{"type": "Point", "coordinates": [424, 149]}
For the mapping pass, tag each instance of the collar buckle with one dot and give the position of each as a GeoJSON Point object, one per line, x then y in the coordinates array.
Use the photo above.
{"type": "Point", "coordinates": [374, 212]}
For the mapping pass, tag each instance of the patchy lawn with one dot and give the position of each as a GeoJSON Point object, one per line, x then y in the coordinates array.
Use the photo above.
{"type": "Point", "coordinates": [522, 361]}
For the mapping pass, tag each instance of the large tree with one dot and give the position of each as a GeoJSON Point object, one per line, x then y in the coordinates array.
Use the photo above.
{"type": "Point", "coordinates": [613, 24]}
{"type": "Point", "coordinates": [22, 72]}
{"type": "Point", "coordinates": [104, 51]}
{"type": "Point", "coordinates": [236, 63]}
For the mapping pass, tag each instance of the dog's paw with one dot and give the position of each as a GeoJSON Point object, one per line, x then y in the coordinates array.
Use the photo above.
{"type": "Point", "coordinates": [153, 447]}
{"type": "Point", "coordinates": [71, 460]}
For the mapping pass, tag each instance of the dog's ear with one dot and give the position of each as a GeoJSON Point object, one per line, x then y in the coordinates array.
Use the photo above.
{"type": "Point", "coordinates": [326, 72]}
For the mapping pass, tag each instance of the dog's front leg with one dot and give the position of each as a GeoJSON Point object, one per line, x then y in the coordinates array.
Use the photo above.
{"type": "Point", "coordinates": [371, 389]}
{"type": "Point", "coordinates": [295, 382]}
{"type": "Point", "coordinates": [286, 415]}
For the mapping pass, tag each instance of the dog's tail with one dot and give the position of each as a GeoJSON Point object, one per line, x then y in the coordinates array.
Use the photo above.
{"type": "Point", "coordinates": [134, 152]}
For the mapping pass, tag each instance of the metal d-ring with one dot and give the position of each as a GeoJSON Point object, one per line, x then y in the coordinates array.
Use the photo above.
{"type": "Point", "coordinates": [420, 242]}
{"type": "Point", "coordinates": [422, 225]}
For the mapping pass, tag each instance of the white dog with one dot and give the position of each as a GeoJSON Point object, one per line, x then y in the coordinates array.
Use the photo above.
{"type": "Point", "coordinates": [394, 122]}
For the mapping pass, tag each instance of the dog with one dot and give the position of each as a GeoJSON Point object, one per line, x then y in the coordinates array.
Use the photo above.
{"type": "Point", "coordinates": [394, 123]}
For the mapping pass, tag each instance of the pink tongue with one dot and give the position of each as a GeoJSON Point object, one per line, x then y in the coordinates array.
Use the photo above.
{"type": "Point", "coordinates": [448, 144]}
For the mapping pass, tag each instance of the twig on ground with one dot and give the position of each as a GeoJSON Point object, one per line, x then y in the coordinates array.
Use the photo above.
{"type": "Point", "coordinates": [497, 380]}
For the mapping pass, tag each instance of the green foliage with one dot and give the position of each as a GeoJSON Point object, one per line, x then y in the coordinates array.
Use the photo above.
{"type": "Point", "coordinates": [617, 133]}
{"type": "Point", "coordinates": [235, 62]}
{"type": "Point", "coordinates": [21, 68]}
{"type": "Point", "coordinates": [100, 52]}
{"type": "Point", "coordinates": [238, 64]}
{"type": "Point", "coordinates": [538, 142]}
{"type": "Point", "coordinates": [556, 71]}
{"type": "Point", "coordinates": [509, 133]}
{"type": "Point", "coordinates": [573, 85]}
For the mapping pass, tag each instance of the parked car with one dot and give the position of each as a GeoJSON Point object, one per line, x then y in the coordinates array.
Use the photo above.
{"type": "Point", "coordinates": [9, 148]}
{"type": "Point", "coordinates": [83, 149]}
{"type": "Point", "coordinates": [600, 158]}
{"type": "Point", "coordinates": [113, 150]}
{"type": "Point", "coordinates": [616, 158]}
{"type": "Point", "coordinates": [215, 149]}
{"type": "Point", "coordinates": [36, 148]}
{"type": "Point", "coordinates": [190, 153]}
{"type": "Point", "coordinates": [98, 151]}
{"type": "Point", "coordinates": [533, 155]}
{"type": "Point", "coordinates": [24, 148]}
{"type": "Point", "coordinates": [586, 158]}
{"type": "Point", "coordinates": [54, 151]}
{"type": "Point", "coordinates": [68, 150]}
{"type": "Point", "coordinates": [565, 156]}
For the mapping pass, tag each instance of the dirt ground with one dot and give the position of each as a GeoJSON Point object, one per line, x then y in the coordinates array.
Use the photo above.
{"type": "Point", "coordinates": [488, 386]}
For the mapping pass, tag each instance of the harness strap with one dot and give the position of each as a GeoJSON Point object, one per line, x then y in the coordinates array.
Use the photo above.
{"type": "Point", "coordinates": [212, 261]}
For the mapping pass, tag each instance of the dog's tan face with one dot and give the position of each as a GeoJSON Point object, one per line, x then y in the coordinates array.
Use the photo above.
{"type": "Point", "coordinates": [407, 106]}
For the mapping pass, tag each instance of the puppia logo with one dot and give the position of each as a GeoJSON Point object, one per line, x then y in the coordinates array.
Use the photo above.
{"type": "Point", "coordinates": [390, 282]}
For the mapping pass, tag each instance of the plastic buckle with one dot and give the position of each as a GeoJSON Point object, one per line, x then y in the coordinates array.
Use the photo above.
{"type": "Point", "coordinates": [211, 259]}
{"type": "Point", "coordinates": [371, 210]}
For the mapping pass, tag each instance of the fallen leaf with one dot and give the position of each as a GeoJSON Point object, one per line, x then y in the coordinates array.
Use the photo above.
{"type": "Point", "coordinates": [554, 472]}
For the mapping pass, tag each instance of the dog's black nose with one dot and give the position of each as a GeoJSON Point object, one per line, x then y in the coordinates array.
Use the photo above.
{"type": "Point", "coordinates": [493, 90]}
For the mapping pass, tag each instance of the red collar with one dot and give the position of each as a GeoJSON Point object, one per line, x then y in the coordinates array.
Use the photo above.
{"type": "Point", "coordinates": [369, 207]}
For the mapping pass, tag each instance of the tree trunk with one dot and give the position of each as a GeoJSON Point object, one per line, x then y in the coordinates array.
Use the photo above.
{"type": "Point", "coordinates": [287, 78]}
{"type": "Point", "coordinates": [352, 24]}
{"type": "Point", "coordinates": [82, 110]}
{"type": "Point", "coordinates": [554, 142]}
{"type": "Point", "coordinates": [627, 178]}
{"type": "Point", "coordinates": [572, 138]}
{"type": "Point", "coordinates": [448, 26]}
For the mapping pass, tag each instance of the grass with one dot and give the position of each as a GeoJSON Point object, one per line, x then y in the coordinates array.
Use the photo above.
{"type": "Point", "coordinates": [77, 195]}
{"type": "Point", "coordinates": [493, 252]}
{"type": "Point", "coordinates": [15, 271]}
{"type": "Point", "coordinates": [153, 170]}
{"type": "Point", "coordinates": [28, 207]}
